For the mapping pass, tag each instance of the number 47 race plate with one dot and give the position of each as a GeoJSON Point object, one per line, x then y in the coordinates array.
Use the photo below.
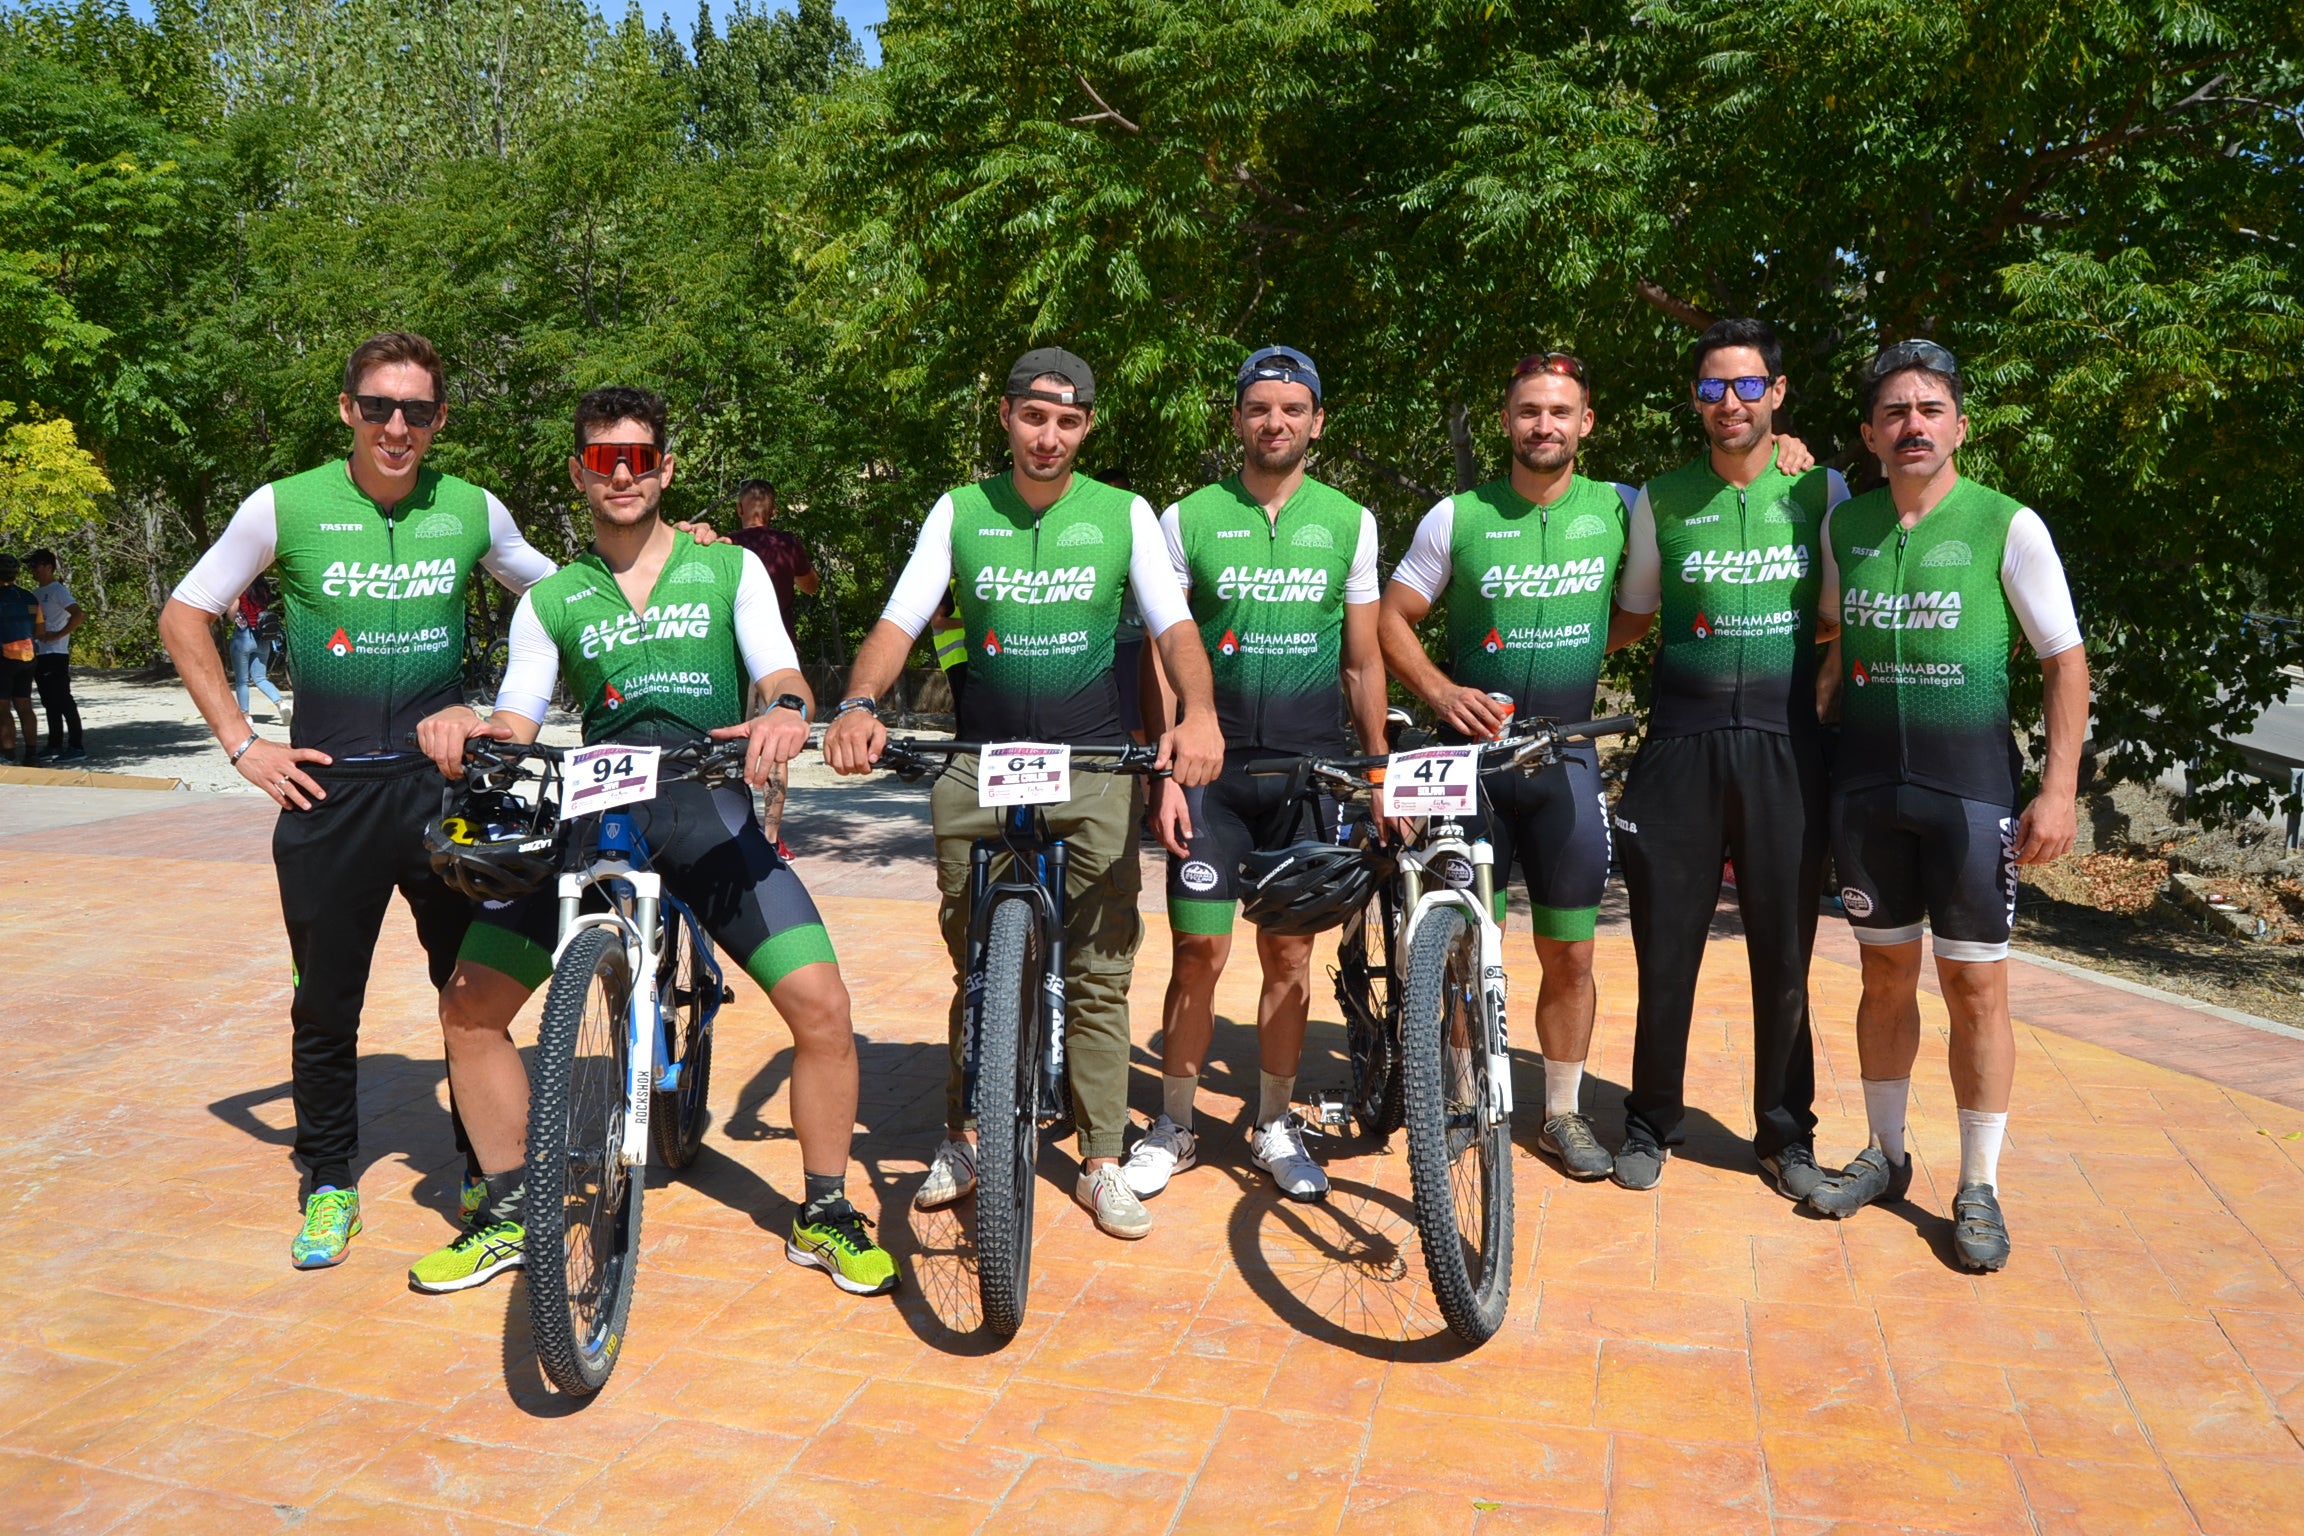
{"type": "Point", "coordinates": [1023, 773]}
{"type": "Point", "coordinates": [1436, 781]}
{"type": "Point", "coordinates": [603, 777]}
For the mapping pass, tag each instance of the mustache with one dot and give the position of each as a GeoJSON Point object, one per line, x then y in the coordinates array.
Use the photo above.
{"type": "Point", "coordinates": [1913, 440]}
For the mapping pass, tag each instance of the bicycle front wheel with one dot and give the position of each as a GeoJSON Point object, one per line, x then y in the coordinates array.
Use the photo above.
{"type": "Point", "coordinates": [689, 993]}
{"type": "Point", "coordinates": [1366, 990]}
{"type": "Point", "coordinates": [1009, 1039]}
{"type": "Point", "coordinates": [583, 1204]}
{"type": "Point", "coordinates": [1459, 1166]}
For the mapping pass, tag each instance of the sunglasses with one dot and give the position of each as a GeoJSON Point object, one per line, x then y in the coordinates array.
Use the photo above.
{"type": "Point", "coordinates": [1915, 354]}
{"type": "Point", "coordinates": [376, 410]}
{"type": "Point", "coordinates": [1748, 388]}
{"type": "Point", "coordinates": [1549, 362]}
{"type": "Point", "coordinates": [602, 458]}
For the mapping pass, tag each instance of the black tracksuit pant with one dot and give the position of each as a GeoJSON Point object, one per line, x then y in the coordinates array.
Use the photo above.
{"type": "Point", "coordinates": [338, 865]}
{"type": "Point", "coordinates": [1756, 797]}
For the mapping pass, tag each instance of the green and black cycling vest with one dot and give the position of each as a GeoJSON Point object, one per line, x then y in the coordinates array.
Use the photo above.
{"type": "Point", "coordinates": [1039, 595]}
{"type": "Point", "coordinates": [1529, 592]}
{"type": "Point", "coordinates": [1926, 633]}
{"type": "Point", "coordinates": [671, 673]}
{"type": "Point", "coordinates": [1268, 595]}
{"type": "Point", "coordinates": [1740, 570]}
{"type": "Point", "coordinates": [374, 604]}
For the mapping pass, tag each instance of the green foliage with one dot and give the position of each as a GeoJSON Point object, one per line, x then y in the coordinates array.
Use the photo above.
{"type": "Point", "coordinates": [48, 483]}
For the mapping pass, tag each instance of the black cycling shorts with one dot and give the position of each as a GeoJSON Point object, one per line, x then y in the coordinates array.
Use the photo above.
{"type": "Point", "coordinates": [1232, 818]}
{"type": "Point", "coordinates": [708, 846]}
{"type": "Point", "coordinates": [1906, 854]}
{"type": "Point", "coordinates": [1555, 824]}
{"type": "Point", "coordinates": [15, 678]}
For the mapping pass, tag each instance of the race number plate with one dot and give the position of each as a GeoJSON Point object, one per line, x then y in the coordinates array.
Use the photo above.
{"type": "Point", "coordinates": [603, 777]}
{"type": "Point", "coordinates": [1436, 781]}
{"type": "Point", "coordinates": [1023, 773]}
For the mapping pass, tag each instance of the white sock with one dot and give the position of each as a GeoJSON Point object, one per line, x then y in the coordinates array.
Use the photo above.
{"type": "Point", "coordinates": [1980, 1136]}
{"type": "Point", "coordinates": [1884, 1102]}
{"type": "Point", "coordinates": [1176, 1094]}
{"type": "Point", "coordinates": [1563, 1082]}
{"type": "Point", "coordinates": [1277, 1094]}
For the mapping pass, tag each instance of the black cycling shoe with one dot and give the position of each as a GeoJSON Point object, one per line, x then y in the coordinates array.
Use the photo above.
{"type": "Point", "coordinates": [1641, 1164]}
{"type": "Point", "coordinates": [1979, 1231]}
{"type": "Point", "coordinates": [1869, 1180]}
{"type": "Point", "coordinates": [1793, 1171]}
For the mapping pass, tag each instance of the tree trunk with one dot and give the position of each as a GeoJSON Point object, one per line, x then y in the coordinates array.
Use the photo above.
{"type": "Point", "coordinates": [1460, 438]}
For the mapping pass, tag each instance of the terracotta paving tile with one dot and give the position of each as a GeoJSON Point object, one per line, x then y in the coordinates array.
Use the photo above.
{"type": "Point", "coordinates": [740, 1394]}
{"type": "Point", "coordinates": [2081, 1498]}
{"type": "Point", "coordinates": [1989, 1333]}
{"type": "Point", "coordinates": [434, 1469]}
{"type": "Point", "coordinates": [1571, 1310]}
{"type": "Point", "coordinates": [1532, 1520]}
{"type": "Point", "coordinates": [2079, 1415]}
{"type": "Point", "coordinates": [2232, 1495]}
{"type": "Point", "coordinates": [1709, 1391]}
{"type": "Point", "coordinates": [1295, 1472]}
{"type": "Point", "coordinates": [1524, 1377]}
{"type": "Point", "coordinates": [1489, 1459]}
{"type": "Point", "coordinates": [1079, 1498]}
{"type": "Point", "coordinates": [2192, 1390]}
{"type": "Point", "coordinates": [1664, 1487]}
{"type": "Point", "coordinates": [1374, 1511]}
{"type": "Point", "coordinates": [824, 1506]}
{"type": "Point", "coordinates": [1823, 1476]}
{"type": "Point", "coordinates": [685, 1476]}
{"type": "Point", "coordinates": [945, 1468]}
{"type": "Point", "coordinates": [1822, 1371]}
{"type": "Point", "coordinates": [42, 1494]}
{"type": "Point", "coordinates": [351, 1515]}
{"type": "Point", "coordinates": [1156, 1434]}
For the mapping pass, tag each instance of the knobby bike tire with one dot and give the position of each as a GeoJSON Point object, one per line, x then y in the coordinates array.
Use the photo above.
{"type": "Point", "coordinates": [685, 985]}
{"type": "Point", "coordinates": [1008, 1112]}
{"type": "Point", "coordinates": [1367, 990]}
{"type": "Point", "coordinates": [1472, 1282]}
{"type": "Point", "coordinates": [576, 1109]}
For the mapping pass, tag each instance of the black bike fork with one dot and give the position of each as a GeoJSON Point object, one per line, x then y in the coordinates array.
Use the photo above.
{"type": "Point", "coordinates": [1052, 1077]}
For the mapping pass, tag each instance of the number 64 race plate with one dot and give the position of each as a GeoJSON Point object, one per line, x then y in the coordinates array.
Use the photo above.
{"type": "Point", "coordinates": [1023, 773]}
{"type": "Point", "coordinates": [1436, 781]}
{"type": "Point", "coordinates": [603, 777]}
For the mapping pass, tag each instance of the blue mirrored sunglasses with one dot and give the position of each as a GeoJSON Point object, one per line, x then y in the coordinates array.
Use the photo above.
{"type": "Point", "coordinates": [1748, 388]}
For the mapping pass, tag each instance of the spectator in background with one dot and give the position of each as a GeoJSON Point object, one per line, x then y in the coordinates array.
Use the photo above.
{"type": "Point", "coordinates": [246, 649]}
{"type": "Point", "coordinates": [19, 622]}
{"type": "Point", "coordinates": [52, 656]}
{"type": "Point", "coordinates": [792, 571]}
{"type": "Point", "coordinates": [951, 642]}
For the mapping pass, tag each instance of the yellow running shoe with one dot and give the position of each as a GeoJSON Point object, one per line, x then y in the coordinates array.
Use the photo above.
{"type": "Point", "coordinates": [479, 1255]}
{"type": "Point", "coordinates": [837, 1243]}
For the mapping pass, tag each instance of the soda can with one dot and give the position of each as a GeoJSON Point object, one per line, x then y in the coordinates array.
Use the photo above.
{"type": "Point", "coordinates": [1504, 699]}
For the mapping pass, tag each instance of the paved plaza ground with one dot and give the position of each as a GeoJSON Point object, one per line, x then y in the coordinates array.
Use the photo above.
{"type": "Point", "coordinates": [1699, 1359]}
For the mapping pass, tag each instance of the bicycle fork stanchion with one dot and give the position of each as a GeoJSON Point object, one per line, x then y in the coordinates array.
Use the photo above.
{"type": "Point", "coordinates": [643, 935]}
{"type": "Point", "coordinates": [1046, 893]}
{"type": "Point", "coordinates": [1498, 1109]}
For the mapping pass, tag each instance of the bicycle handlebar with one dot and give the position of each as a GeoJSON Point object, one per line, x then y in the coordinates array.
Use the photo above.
{"type": "Point", "coordinates": [1130, 757]}
{"type": "Point", "coordinates": [711, 763]}
{"type": "Point", "coordinates": [1538, 737]}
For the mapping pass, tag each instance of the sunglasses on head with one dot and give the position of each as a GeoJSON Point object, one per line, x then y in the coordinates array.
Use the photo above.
{"type": "Point", "coordinates": [602, 458]}
{"type": "Point", "coordinates": [376, 410]}
{"type": "Point", "coordinates": [1915, 354]}
{"type": "Point", "coordinates": [1748, 388]}
{"type": "Point", "coordinates": [1549, 362]}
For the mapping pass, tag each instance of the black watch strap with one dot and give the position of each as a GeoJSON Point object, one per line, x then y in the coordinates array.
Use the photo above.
{"type": "Point", "coordinates": [791, 701]}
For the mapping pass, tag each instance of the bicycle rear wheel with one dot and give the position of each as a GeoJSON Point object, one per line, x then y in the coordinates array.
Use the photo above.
{"type": "Point", "coordinates": [690, 994]}
{"type": "Point", "coordinates": [1459, 1167]}
{"type": "Point", "coordinates": [583, 1204]}
{"type": "Point", "coordinates": [1367, 992]}
{"type": "Point", "coordinates": [1009, 1040]}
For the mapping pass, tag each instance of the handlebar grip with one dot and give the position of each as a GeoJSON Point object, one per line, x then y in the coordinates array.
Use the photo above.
{"type": "Point", "coordinates": [1611, 726]}
{"type": "Point", "coordinates": [1270, 765]}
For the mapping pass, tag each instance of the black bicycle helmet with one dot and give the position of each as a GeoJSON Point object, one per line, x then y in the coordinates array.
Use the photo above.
{"type": "Point", "coordinates": [493, 846]}
{"type": "Point", "coordinates": [1309, 886]}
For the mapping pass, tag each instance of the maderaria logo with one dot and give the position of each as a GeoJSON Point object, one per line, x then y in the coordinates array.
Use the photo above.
{"type": "Point", "coordinates": [1199, 875]}
{"type": "Point", "coordinates": [440, 525]}
{"type": "Point", "coordinates": [1588, 527]}
{"type": "Point", "coordinates": [1950, 552]}
{"type": "Point", "coordinates": [1857, 903]}
{"type": "Point", "coordinates": [1784, 510]}
{"type": "Point", "coordinates": [696, 573]}
{"type": "Point", "coordinates": [1079, 533]}
{"type": "Point", "coordinates": [1313, 536]}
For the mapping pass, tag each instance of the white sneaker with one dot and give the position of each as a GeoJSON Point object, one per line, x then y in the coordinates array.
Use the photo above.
{"type": "Point", "coordinates": [1280, 1152]}
{"type": "Point", "coordinates": [1166, 1151]}
{"type": "Point", "coordinates": [951, 1178]}
{"type": "Point", "coordinates": [1118, 1212]}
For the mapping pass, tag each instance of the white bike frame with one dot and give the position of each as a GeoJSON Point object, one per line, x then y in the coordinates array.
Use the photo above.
{"type": "Point", "coordinates": [640, 928]}
{"type": "Point", "coordinates": [1494, 989]}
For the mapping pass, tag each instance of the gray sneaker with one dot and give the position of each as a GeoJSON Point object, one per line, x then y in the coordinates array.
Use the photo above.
{"type": "Point", "coordinates": [1870, 1179]}
{"type": "Point", "coordinates": [1569, 1138]}
{"type": "Point", "coordinates": [951, 1177]}
{"type": "Point", "coordinates": [1641, 1164]}
{"type": "Point", "coordinates": [1979, 1231]}
{"type": "Point", "coordinates": [1794, 1171]}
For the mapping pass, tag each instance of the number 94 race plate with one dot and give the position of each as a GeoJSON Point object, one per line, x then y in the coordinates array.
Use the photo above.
{"type": "Point", "coordinates": [603, 777]}
{"type": "Point", "coordinates": [1436, 781]}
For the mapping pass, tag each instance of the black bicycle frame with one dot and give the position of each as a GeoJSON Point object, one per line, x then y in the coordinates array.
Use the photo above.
{"type": "Point", "coordinates": [1037, 876]}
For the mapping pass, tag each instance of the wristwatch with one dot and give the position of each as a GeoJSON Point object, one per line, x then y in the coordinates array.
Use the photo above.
{"type": "Point", "coordinates": [859, 701]}
{"type": "Point", "coordinates": [790, 701]}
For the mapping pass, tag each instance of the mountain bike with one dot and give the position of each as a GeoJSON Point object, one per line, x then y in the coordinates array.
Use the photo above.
{"type": "Point", "coordinates": [623, 1061]}
{"type": "Point", "coordinates": [1421, 977]}
{"type": "Point", "coordinates": [1014, 1082]}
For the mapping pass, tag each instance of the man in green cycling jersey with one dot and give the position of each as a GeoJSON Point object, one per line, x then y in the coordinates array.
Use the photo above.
{"type": "Point", "coordinates": [373, 556]}
{"type": "Point", "coordinates": [1528, 564]}
{"type": "Point", "coordinates": [1936, 580]}
{"type": "Point", "coordinates": [1281, 572]}
{"type": "Point", "coordinates": [660, 640]}
{"type": "Point", "coordinates": [1725, 549]}
{"type": "Point", "coordinates": [1042, 554]}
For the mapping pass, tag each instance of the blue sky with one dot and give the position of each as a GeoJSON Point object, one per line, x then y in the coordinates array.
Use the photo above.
{"type": "Point", "coordinates": [861, 15]}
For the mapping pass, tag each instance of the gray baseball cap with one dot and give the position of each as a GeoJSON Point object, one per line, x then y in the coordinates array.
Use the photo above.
{"type": "Point", "coordinates": [1041, 362]}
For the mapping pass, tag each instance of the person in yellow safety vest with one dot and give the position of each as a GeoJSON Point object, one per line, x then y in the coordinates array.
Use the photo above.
{"type": "Point", "coordinates": [951, 642]}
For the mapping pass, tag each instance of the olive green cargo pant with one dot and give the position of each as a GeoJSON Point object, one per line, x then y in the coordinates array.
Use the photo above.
{"type": "Point", "coordinates": [1101, 932]}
